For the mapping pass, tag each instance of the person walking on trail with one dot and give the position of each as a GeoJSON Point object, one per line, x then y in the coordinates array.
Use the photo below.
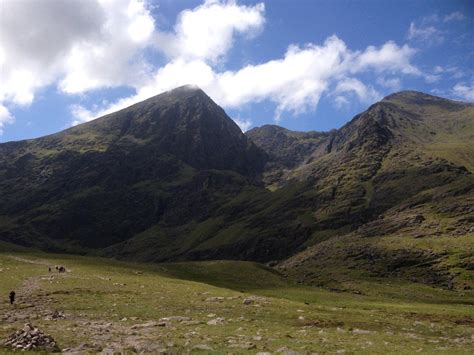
{"type": "Point", "coordinates": [12, 297]}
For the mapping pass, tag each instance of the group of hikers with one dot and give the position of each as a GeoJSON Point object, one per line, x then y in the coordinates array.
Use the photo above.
{"type": "Point", "coordinates": [59, 269]}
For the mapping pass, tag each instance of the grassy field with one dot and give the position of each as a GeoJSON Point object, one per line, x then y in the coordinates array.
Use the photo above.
{"type": "Point", "coordinates": [199, 306]}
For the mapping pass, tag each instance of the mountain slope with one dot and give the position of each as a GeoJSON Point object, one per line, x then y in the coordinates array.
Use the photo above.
{"type": "Point", "coordinates": [104, 181]}
{"type": "Point", "coordinates": [173, 178]}
{"type": "Point", "coordinates": [412, 202]}
{"type": "Point", "coordinates": [384, 156]}
{"type": "Point", "coordinates": [346, 179]}
{"type": "Point", "coordinates": [286, 149]}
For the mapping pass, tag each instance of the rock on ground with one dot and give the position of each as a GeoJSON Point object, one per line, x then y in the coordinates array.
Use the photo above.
{"type": "Point", "coordinates": [31, 338]}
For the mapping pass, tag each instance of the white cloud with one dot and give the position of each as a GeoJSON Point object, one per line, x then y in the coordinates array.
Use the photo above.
{"type": "Point", "coordinates": [341, 102]}
{"type": "Point", "coordinates": [432, 78]}
{"type": "Point", "coordinates": [451, 71]}
{"type": "Point", "coordinates": [82, 44]}
{"type": "Point", "coordinates": [364, 93]}
{"type": "Point", "coordinates": [464, 91]}
{"type": "Point", "coordinates": [244, 124]}
{"type": "Point", "coordinates": [455, 72]}
{"type": "Point", "coordinates": [113, 57]}
{"type": "Point", "coordinates": [34, 37]}
{"type": "Point", "coordinates": [389, 57]}
{"type": "Point", "coordinates": [78, 45]}
{"type": "Point", "coordinates": [5, 117]}
{"type": "Point", "coordinates": [353, 87]}
{"type": "Point", "coordinates": [391, 83]}
{"type": "Point", "coordinates": [433, 18]}
{"type": "Point", "coordinates": [294, 83]}
{"type": "Point", "coordinates": [85, 45]}
{"type": "Point", "coordinates": [81, 114]}
{"type": "Point", "coordinates": [454, 16]}
{"type": "Point", "coordinates": [206, 32]}
{"type": "Point", "coordinates": [428, 34]}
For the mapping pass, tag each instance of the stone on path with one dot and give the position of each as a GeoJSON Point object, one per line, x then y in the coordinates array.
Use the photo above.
{"type": "Point", "coordinates": [361, 331]}
{"type": "Point", "coordinates": [248, 301]}
{"type": "Point", "coordinates": [56, 315]}
{"type": "Point", "coordinates": [284, 350]}
{"type": "Point", "coordinates": [202, 347]}
{"type": "Point", "coordinates": [256, 300]}
{"type": "Point", "coordinates": [175, 319]}
{"type": "Point", "coordinates": [216, 321]}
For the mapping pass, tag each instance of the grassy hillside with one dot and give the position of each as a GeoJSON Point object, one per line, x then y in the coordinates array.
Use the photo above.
{"type": "Point", "coordinates": [108, 304]}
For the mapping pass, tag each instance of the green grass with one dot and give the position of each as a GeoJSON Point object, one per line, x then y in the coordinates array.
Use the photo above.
{"type": "Point", "coordinates": [394, 316]}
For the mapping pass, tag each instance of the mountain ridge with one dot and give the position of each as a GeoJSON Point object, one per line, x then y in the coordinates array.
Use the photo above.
{"type": "Point", "coordinates": [174, 178]}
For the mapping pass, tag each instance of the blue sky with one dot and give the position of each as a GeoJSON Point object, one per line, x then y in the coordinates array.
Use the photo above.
{"type": "Point", "coordinates": [305, 65]}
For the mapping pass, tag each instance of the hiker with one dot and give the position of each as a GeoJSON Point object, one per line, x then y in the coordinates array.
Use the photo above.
{"type": "Point", "coordinates": [49, 268]}
{"type": "Point", "coordinates": [12, 297]}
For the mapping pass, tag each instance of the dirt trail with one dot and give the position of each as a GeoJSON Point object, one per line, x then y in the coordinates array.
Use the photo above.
{"type": "Point", "coordinates": [34, 306]}
{"type": "Point", "coordinates": [29, 304]}
{"type": "Point", "coordinates": [31, 284]}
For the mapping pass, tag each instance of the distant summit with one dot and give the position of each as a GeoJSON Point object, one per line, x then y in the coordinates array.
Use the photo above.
{"type": "Point", "coordinates": [419, 98]}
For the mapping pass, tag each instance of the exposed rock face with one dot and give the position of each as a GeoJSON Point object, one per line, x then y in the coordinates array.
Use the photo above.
{"type": "Point", "coordinates": [286, 149]}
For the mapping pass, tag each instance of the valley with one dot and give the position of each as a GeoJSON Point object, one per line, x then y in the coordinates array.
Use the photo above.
{"type": "Point", "coordinates": [174, 179]}
{"type": "Point", "coordinates": [224, 306]}
{"type": "Point", "coordinates": [236, 177]}
{"type": "Point", "coordinates": [180, 233]}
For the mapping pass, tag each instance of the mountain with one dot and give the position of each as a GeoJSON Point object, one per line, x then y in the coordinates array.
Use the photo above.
{"type": "Point", "coordinates": [382, 157]}
{"type": "Point", "coordinates": [173, 178]}
{"type": "Point", "coordinates": [399, 194]}
{"type": "Point", "coordinates": [285, 149]}
{"type": "Point", "coordinates": [104, 181]}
